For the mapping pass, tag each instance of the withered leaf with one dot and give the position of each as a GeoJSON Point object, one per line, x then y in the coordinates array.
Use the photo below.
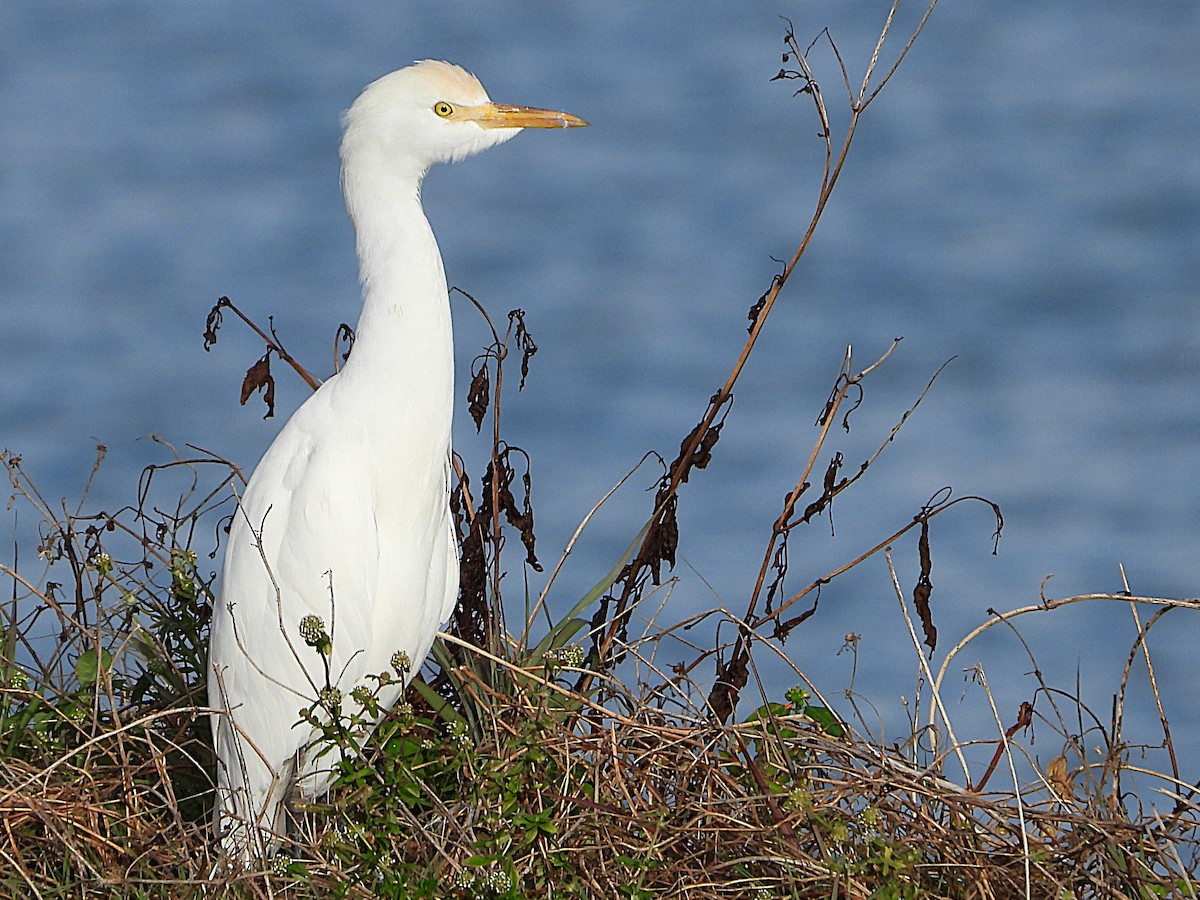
{"type": "Point", "coordinates": [924, 589]}
{"type": "Point", "coordinates": [524, 524]}
{"type": "Point", "coordinates": [779, 563]}
{"type": "Point", "coordinates": [472, 615]}
{"type": "Point", "coordinates": [783, 629]}
{"type": "Point", "coordinates": [213, 323]}
{"type": "Point", "coordinates": [752, 315]}
{"type": "Point", "coordinates": [730, 680]}
{"type": "Point", "coordinates": [344, 335]}
{"type": "Point", "coordinates": [829, 488]}
{"type": "Point", "coordinates": [757, 308]}
{"type": "Point", "coordinates": [704, 451]}
{"type": "Point", "coordinates": [519, 518]}
{"type": "Point", "coordinates": [259, 378]}
{"type": "Point", "coordinates": [1060, 779]}
{"type": "Point", "coordinates": [663, 539]}
{"type": "Point", "coordinates": [478, 395]}
{"type": "Point", "coordinates": [525, 343]}
{"type": "Point", "coordinates": [701, 456]}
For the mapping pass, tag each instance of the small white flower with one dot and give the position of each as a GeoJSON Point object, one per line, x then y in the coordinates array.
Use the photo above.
{"type": "Point", "coordinates": [464, 879]}
{"type": "Point", "coordinates": [312, 629]}
{"type": "Point", "coordinates": [499, 881]}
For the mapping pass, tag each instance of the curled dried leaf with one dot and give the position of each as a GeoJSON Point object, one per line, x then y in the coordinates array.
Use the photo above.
{"type": "Point", "coordinates": [663, 540]}
{"type": "Point", "coordinates": [731, 678]}
{"type": "Point", "coordinates": [478, 395]}
{"type": "Point", "coordinates": [760, 304]}
{"type": "Point", "coordinates": [830, 487]}
{"type": "Point", "coordinates": [213, 323]}
{"type": "Point", "coordinates": [259, 378]}
{"type": "Point", "coordinates": [524, 343]}
{"type": "Point", "coordinates": [701, 456]}
{"type": "Point", "coordinates": [344, 336]}
{"type": "Point", "coordinates": [522, 518]}
{"type": "Point", "coordinates": [924, 589]}
{"type": "Point", "coordinates": [754, 310]}
{"type": "Point", "coordinates": [1060, 778]}
{"type": "Point", "coordinates": [784, 628]}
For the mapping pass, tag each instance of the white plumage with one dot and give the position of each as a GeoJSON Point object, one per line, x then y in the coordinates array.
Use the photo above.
{"type": "Point", "coordinates": [347, 515]}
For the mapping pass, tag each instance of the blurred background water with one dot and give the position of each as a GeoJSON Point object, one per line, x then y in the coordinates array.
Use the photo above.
{"type": "Point", "coordinates": [1024, 196]}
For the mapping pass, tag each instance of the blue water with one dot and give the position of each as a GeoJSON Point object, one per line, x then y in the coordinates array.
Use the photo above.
{"type": "Point", "coordinates": [1025, 196]}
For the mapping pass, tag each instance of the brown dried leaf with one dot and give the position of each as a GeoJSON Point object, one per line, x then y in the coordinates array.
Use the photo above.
{"type": "Point", "coordinates": [702, 455]}
{"type": "Point", "coordinates": [524, 524]}
{"type": "Point", "coordinates": [782, 630]}
{"type": "Point", "coordinates": [730, 680]}
{"type": "Point", "coordinates": [754, 310]}
{"type": "Point", "coordinates": [478, 395]}
{"type": "Point", "coordinates": [524, 343]}
{"type": "Point", "coordinates": [663, 539]}
{"type": "Point", "coordinates": [924, 589]}
{"type": "Point", "coordinates": [259, 378]}
{"type": "Point", "coordinates": [471, 619]}
{"type": "Point", "coordinates": [520, 519]}
{"type": "Point", "coordinates": [704, 452]}
{"type": "Point", "coordinates": [829, 487]}
{"type": "Point", "coordinates": [757, 308]}
{"type": "Point", "coordinates": [779, 563]}
{"type": "Point", "coordinates": [344, 335]}
{"type": "Point", "coordinates": [213, 323]}
{"type": "Point", "coordinates": [471, 614]}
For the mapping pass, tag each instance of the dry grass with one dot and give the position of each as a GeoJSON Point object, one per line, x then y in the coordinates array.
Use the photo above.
{"type": "Point", "coordinates": [564, 798]}
{"type": "Point", "coordinates": [562, 760]}
{"type": "Point", "coordinates": [520, 785]}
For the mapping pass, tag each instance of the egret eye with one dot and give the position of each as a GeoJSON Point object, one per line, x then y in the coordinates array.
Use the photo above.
{"type": "Point", "coordinates": [443, 109]}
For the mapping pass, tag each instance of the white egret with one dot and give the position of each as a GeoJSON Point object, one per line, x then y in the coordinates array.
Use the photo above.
{"type": "Point", "coordinates": [347, 517]}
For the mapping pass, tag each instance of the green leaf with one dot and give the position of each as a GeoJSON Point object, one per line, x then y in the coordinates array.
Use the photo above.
{"type": "Point", "coordinates": [571, 623]}
{"type": "Point", "coordinates": [437, 702]}
{"type": "Point", "coordinates": [827, 720]}
{"type": "Point", "coordinates": [91, 664]}
{"type": "Point", "coordinates": [634, 862]}
{"type": "Point", "coordinates": [768, 712]}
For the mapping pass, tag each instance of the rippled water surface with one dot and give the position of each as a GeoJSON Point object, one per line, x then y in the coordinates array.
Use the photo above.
{"type": "Point", "coordinates": [1024, 196]}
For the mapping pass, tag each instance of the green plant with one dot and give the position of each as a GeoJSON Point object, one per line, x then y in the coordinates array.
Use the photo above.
{"type": "Point", "coordinates": [547, 752]}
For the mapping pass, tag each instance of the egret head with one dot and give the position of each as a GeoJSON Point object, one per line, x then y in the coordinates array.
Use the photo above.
{"type": "Point", "coordinates": [433, 112]}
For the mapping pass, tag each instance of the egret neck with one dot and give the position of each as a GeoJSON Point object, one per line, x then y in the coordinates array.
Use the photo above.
{"type": "Point", "coordinates": [400, 361]}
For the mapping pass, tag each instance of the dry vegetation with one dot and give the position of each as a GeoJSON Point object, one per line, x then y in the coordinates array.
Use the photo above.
{"type": "Point", "coordinates": [558, 759]}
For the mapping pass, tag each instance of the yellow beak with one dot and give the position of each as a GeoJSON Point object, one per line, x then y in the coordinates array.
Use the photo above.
{"type": "Point", "coordinates": [499, 115]}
